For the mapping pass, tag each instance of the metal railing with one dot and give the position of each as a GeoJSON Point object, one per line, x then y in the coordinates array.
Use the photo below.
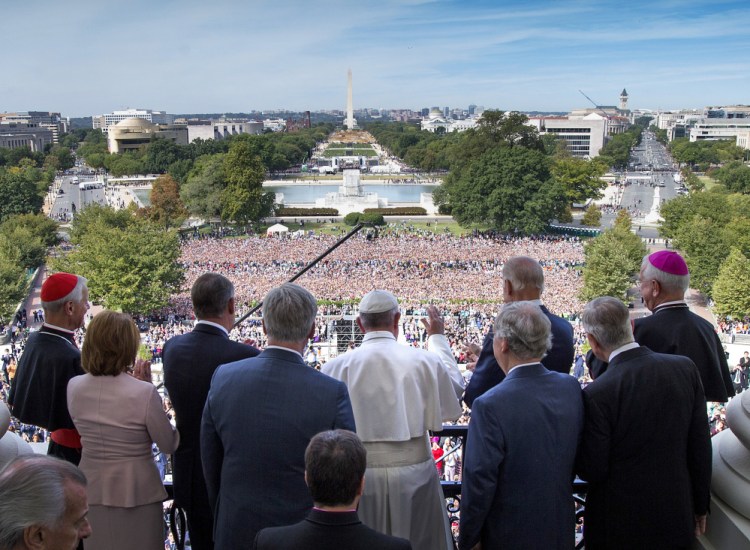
{"type": "Point", "coordinates": [452, 489]}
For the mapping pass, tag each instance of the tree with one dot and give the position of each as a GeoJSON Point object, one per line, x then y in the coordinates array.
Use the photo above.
{"type": "Point", "coordinates": [592, 217]}
{"type": "Point", "coordinates": [731, 289]}
{"type": "Point", "coordinates": [616, 152]}
{"type": "Point", "coordinates": [612, 260]}
{"type": "Point", "coordinates": [40, 226]}
{"type": "Point", "coordinates": [20, 243]}
{"type": "Point", "coordinates": [166, 206]}
{"type": "Point", "coordinates": [623, 221]}
{"type": "Point", "coordinates": [12, 282]}
{"type": "Point", "coordinates": [201, 193]}
{"type": "Point", "coordinates": [509, 128]}
{"type": "Point", "coordinates": [580, 178]}
{"type": "Point", "coordinates": [133, 268]}
{"type": "Point", "coordinates": [160, 154]}
{"type": "Point", "coordinates": [704, 248]}
{"type": "Point", "coordinates": [735, 176]}
{"type": "Point", "coordinates": [63, 156]}
{"type": "Point", "coordinates": [509, 188]}
{"type": "Point", "coordinates": [95, 215]}
{"type": "Point", "coordinates": [243, 200]}
{"type": "Point", "coordinates": [19, 193]}
{"type": "Point", "coordinates": [180, 169]}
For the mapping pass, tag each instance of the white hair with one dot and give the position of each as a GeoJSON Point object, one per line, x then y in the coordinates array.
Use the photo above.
{"type": "Point", "coordinates": [32, 492]}
{"type": "Point", "coordinates": [668, 281]}
{"type": "Point", "coordinates": [525, 327]}
{"type": "Point", "coordinates": [75, 295]}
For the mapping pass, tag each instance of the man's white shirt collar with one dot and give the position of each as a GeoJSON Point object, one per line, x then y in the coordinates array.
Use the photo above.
{"type": "Point", "coordinates": [212, 324]}
{"type": "Point", "coordinates": [622, 349]}
{"type": "Point", "coordinates": [50, 325]}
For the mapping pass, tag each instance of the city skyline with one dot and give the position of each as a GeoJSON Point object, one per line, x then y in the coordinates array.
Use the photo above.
{"type": "Point", "coordinates": [84, 58]}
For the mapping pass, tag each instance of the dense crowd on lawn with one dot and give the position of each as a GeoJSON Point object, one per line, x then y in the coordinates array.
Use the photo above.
{"type": "Point", "coordinates": [462, 275]}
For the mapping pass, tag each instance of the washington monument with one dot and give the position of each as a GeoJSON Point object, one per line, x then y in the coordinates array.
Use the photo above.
{"type": "Point", "coordinates": [349, 103]}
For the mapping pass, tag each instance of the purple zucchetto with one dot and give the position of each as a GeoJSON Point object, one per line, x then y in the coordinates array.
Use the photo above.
{"type": "Point", "coordinates": [669, 262]}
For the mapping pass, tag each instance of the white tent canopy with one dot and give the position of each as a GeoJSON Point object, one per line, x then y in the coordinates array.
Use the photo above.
{"type": "Point", "coordinates": [277, 229]}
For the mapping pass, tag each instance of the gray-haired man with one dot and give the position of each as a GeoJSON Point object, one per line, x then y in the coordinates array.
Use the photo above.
{"type": "Point", "coordinates": [43, 505]}
{"type": "Point", "coordinates": [259, 417]}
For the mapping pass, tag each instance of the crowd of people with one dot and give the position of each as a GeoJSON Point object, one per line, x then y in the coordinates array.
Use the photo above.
{"type": "Point", "coordinates": [468, 278]}
{"type": "Point", "coordinates": [460, 274]}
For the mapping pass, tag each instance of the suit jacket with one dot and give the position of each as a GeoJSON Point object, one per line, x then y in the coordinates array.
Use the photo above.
{"type": "Point", "coordinates": [674, 329]}
{"type": "Point", "coordinates": [118, 418]}
{"type": "Point", "coordinates": [39, 391]}
{"type": "Point", "coordinates": [259, 417]}
{"type": "Point", "coordinates": [488, 373]}
{"type": "Point", "coordinates": [327, 531]}
{"type": "Point", "coordinates": [519, 462]}
{"type": "Point", "coordinates": [646, 452]}
{"type": "Point", "coordinates": [189, 363]}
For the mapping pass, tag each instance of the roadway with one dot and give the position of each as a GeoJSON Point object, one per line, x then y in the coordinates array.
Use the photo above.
{"type": "Point", "coordinates": [67, 196]}
{"type": "Point", "coordinates": [648, 183]}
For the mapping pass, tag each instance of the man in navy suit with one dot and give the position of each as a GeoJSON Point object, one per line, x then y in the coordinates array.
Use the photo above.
{"type": "Point", "coordinates": [258, 420]}
{"type": "Point", "coordinates": [335, 463]}
{"type": "Point", "coordinates": [646, 449]}
{"type": "Point", "coordinates": [522, 443]}
{"type": "Point", "coordinates": [189, 363]}
{"type": "Point", "coordinates": [523, 280]}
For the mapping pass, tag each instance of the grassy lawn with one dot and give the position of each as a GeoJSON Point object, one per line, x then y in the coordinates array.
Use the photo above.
{"type": "Point", "coordinates": [339, 228]}
{"type": "Point", "coordinates": [708, 181]}
{"type": "Point", "coordinates": [349, 153]}
{"type": "Point", "coordinates": [339, 177]}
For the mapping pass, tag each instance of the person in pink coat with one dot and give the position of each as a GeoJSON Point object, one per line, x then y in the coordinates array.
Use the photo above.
{"type": "Point", "coordinates": [119, 413]}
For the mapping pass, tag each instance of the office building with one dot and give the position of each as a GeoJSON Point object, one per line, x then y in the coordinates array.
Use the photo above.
{"type": "Point", "coordinates": [105, 122]}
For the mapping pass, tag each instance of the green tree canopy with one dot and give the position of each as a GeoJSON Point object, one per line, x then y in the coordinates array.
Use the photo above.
{"type": "Point", "coordinates": [40, 226]}
{"type": "Point", "coordinates": [133, 268]}
{"type": "Point", "coordinates": [735, 176]}
{"type": "Point", "coordinates": [612, 261]}
{"type": "Point", "coordinates": [509, 188]}
{"type": "Point", "coordinates": [95, 215]}
{"type": "Point", "coordinates": [12, 281]}
{"type": "Point", "coordinates": [20, 243]}
{"type": "Point", "coordinates": [731, 289]}
{"type": "Point", "coordinates": [592, 217]}
{"type": "Point", "coordinates": [580, 178]}
{"type": "Point", "coordinates": [243, 200]}
{"type": "Point", "coordinates": [201, 193]}
{"type": "Point", "coordinates": [19, 192]}
{"type": "Point", "coordinates": [704, 246]}
{"type": "Point", "coordinates": [616, 152]}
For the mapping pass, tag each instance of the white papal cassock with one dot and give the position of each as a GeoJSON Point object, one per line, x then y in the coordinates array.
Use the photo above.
{"type": "Point", "coordinates": [398, 393]}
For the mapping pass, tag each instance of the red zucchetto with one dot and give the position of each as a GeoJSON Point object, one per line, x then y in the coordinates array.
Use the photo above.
{"type": "Point", "coordinates": [669, 262]}
{"type": "Point", "coordinates": [58, 286]}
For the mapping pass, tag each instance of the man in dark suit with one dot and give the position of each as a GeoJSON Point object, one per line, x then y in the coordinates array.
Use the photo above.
{"type": "Point", "coordinates": [674, 329]}
{"type": "Point", "coordinates": [646, 451]}
{"type": "Point", "coordinates": [522, 443]}
{"type": "Point", "coordinates": [335, 463]}
{"type": "Point", "coordinates": [189, 363]}
{"type": "Point", "coordinates": [523, 280]}
{"type": "Point", "coordinates": [258, 420]}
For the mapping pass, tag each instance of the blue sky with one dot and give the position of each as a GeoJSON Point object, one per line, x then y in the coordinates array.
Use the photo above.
{"type": "Point", "coordinates": [85, 57]}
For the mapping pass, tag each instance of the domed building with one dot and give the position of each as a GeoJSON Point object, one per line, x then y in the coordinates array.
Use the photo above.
{"type": "Point", "coordinates": [132, 133]}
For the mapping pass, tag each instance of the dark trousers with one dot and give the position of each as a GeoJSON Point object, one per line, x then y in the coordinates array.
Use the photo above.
{"type": "Point", "coordinates": [200, 522]}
